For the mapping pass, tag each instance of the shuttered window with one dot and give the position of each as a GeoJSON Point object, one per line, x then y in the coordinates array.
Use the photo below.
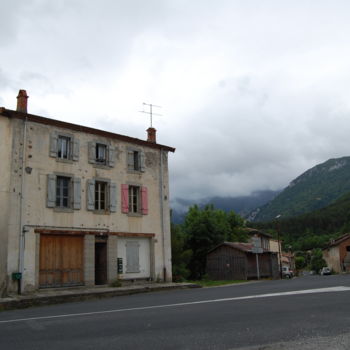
{"type": "Point", "coordinates": [63, 192]}
{"type": "Point", "coordinates": [136, 160]}
{"type": "Point", "coordinates": [101, 154]}
{"type": "Point", "coordinates": [64, 147]}
{"type": "Point", "coordinates": [101, 196]}
{"type": "Point", "coordinates": [132, 257]}
{"type": "Point", "coordinates": [134, 199]}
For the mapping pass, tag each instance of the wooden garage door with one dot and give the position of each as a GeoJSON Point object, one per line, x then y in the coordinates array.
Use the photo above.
{"type": "Point", "coordinates": [61, 261]}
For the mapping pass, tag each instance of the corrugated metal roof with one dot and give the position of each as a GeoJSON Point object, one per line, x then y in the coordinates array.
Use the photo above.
{"type": "Point", "coordinates": [243, 247]}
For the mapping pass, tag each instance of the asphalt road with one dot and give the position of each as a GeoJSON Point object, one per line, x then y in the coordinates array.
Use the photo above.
{"type": "Point", "coordinates": [261, 315]}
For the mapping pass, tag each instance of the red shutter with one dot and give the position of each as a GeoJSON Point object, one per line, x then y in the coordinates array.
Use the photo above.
{"type": "Point", "coordinates": [144, 201]}
{"type": "Point", "coordinates": [125, 198]}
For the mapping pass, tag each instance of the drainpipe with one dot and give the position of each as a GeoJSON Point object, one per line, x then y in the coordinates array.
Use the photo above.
{"type": "Point", "coordinates": [162, 210]}
{"type": "Point", "coordinates": [22, 229]}
{"type": "Point", "coordinates": [22, 101]}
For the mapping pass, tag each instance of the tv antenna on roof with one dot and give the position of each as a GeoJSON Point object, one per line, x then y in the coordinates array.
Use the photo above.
{"type": "Point", "coordinates": [150, 112]}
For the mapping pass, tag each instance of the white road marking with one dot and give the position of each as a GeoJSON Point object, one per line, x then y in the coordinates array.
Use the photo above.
{"type": "Point", "coordinates": [296, 292]}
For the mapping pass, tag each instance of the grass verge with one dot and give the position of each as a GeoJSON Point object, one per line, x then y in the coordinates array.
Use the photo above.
{"type": "Point", "coordinates": [210, 283]}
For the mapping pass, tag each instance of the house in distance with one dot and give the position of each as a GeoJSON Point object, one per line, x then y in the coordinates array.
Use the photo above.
{"type": "Point", "coordinates": [80, 206]}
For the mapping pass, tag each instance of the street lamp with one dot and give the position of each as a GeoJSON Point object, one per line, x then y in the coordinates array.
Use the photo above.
{"type": "Point", "coordinates": [279, 244]}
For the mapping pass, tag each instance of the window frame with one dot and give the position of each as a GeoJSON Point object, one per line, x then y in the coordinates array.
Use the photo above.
{"type": "Point", "coordinates": [60, 187]}
{"type": "Point", "coordinates": [101, 160]}
{"type": "Point", "coordinates": [61, 153]}
{"type": "Point", "coordinates": [55, 192]}
{"type": "Point", "coordinates": [56, 145]}
{"type": "Point", "coordinates": [99, 193]}
{"type": "Point", "coordinates": [110, 196]}
{"type": "Point", "coordinates": [134, 199]}
{"type": "Point", "coordinates": [134, 194]}
{"type": "Point", "coordinates": [135, 160]}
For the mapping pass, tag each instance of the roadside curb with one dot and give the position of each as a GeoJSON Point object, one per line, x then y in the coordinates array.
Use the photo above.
{"type": "Point", "coordinates": [66, 296]}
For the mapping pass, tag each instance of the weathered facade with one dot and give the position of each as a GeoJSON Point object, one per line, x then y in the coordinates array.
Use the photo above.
{"type": "Point", "coordinates": [337, 254]}
{"type": "Point", "coordinates": [236, 261]}
{"type": "Point", "coordinates": [80, 206]}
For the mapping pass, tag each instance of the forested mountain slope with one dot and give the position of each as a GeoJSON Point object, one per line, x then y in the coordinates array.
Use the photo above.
{"type": "Point", "coordinates": [316, 188]}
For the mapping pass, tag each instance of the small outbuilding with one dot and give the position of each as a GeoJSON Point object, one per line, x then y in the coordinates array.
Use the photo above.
{"type": "Point", "coordinates": [237, 261]}
{"type": "Point", "coordinates": [337, 254]}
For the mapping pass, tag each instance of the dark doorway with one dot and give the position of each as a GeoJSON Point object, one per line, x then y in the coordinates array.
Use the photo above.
{"type": "Point", "coordinates": [100, 263]}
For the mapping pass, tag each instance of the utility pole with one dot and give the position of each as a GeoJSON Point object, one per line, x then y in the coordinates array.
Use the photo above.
{"type": "Point", "coordinates": [279, 244]}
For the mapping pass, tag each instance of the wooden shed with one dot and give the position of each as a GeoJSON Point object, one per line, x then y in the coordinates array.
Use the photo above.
{"type": "Point", "coordinates": [236, 261]}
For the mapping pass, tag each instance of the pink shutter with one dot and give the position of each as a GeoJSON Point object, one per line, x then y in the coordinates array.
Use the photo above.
{"type": "Point", "coordinates": [125, 198]}
{"type": "Point", "coordinates": [144, 201]}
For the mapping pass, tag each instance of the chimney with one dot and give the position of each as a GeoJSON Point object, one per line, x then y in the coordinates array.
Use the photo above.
{"type": "Point", "coordinates": [151, 135]}
{"type": "Point", "coordinates": [22, 101]}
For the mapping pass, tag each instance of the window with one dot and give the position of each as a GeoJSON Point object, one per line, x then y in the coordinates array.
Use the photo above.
{"type": "Point", "coordinates": [134, 199]}
{"type": "Point", "coordinates": [101, 154]}
{"type": "Point", "coordinates": [136, 156]}
{"type": "Point", "coordinates": [101, 196]}
{"type": "Point", "coordinates": [64, 147]}
{"type": "Point", "coordinates": [63, 192]}
{"type": "Point", "coordinates": [265, 243]}
{"type": "Point", "coordinates": [136, 160]}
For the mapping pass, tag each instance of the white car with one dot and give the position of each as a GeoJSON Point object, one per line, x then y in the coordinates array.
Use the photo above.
{"type": "Point", "coordinates": [325, 271]}
{"type": "Point", "coordinates": [287, 272]}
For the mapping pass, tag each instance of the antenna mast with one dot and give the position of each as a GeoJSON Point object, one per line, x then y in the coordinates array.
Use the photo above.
{"type": "Point", "coordinates": [150, 112]}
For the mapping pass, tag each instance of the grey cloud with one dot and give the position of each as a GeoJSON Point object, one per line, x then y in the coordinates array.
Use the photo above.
{"type": "Point", "coordinates": [254, 93]}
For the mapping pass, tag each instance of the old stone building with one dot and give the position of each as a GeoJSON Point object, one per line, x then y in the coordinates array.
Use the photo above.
{"type": "Point", "coordinates": [80, 206]}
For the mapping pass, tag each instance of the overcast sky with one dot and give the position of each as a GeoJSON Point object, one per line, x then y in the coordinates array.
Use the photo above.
{"type": "Point", "coordinates": [253, 93]}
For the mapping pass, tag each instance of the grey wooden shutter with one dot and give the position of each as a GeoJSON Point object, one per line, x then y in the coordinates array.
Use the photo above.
{"type": "Point", "coordinates": [51, 191]}
{"type": "Point", "coordinates": [76, 193]}
{"type": "Point", "coordinates": [53, 144]}
{"type": "Point", "coordinates": [130, 160]}
{"type": "Point", "coordinates": [92, 152]}
{"type": "Point", "coordinates": [142, 161]}
{"type": "Point", "coordinates": [132, 257]}
{"type": "Point", "coordinates": [113, 197]}
{"type": "Point", "coordinates": [90, 195]}
{"type": "Point", "coordinates": [111, 156]}
{"type": "Point", "coordinates": [75, 153]}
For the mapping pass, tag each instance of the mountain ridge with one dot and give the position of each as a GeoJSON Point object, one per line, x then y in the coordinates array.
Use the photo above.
{"type": "Point", "coordinates": [314, 189]}
{"type": "Point", "coordinates": [241, 205]}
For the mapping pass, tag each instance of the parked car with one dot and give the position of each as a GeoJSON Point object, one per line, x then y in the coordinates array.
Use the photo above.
{"type": "Point", "coordinates": [325, 271]}
{"type": "Point", "coordinates": [287, 272]}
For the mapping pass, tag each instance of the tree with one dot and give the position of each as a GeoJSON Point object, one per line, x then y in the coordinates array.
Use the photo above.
{"type": "Point", "coordinates": [300, 262]}
{"type": "Point", "coordinates": [180, 256]}
{"type": "Point", "coordinates": [205, 229]}
{"type": "Point", "coordinates": [317, 261]}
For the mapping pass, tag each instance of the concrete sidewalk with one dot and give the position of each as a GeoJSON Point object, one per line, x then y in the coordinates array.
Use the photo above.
{"type": "Point", "coordinates": [56, 296]}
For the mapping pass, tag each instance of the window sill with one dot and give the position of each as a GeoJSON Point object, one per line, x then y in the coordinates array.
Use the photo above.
{"type": "Point", "coordinates": [101, 212]}
{"type": "Point", "coordinates": [135, 172]}
{"type": "Point", "coordinates": [101, 166]}
{"type": "Point", "coordinates": [62, 160]}
{"type": "Point", "coordinates": [63, 210]}
{"type": "Point", "coordinates": [135, 215]}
